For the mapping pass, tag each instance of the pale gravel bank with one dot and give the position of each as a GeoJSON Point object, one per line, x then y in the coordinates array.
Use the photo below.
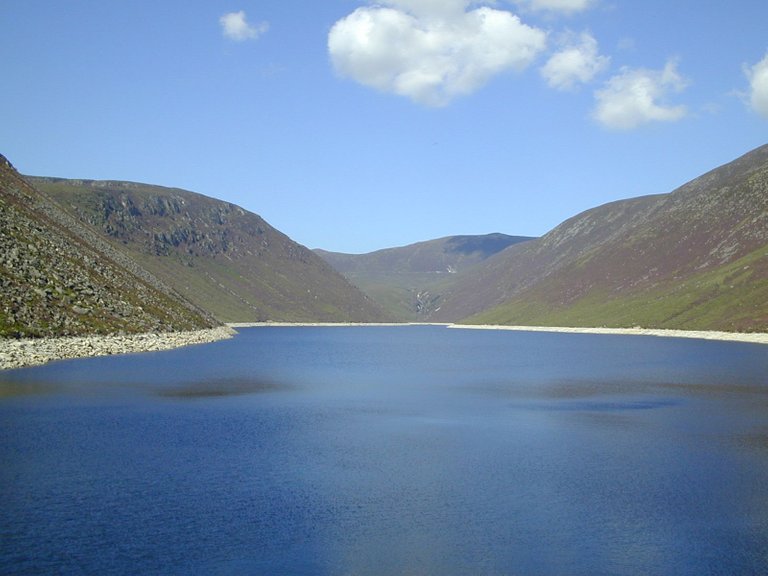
{"type": "Point", "coordinates": [756, 338]}
{"type": "Point", "coordinates": [35, 351]}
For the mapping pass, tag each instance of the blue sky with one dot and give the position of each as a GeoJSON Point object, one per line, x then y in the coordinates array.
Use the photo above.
{"type": "Point", "coordinates": [354, 126]}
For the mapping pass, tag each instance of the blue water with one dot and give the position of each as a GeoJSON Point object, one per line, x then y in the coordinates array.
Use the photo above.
{"type": "Point", "coordinates": [390, 450]}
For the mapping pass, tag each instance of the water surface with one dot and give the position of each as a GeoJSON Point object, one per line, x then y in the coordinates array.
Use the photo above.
{"type": "Point", "coordinates": [390, 450]}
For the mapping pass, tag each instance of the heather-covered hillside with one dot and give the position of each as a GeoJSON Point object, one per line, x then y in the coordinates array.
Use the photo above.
{"type": "Point", "coordinates": [696, 258]}
{"type": "Point", "coordinates": [221, 257]}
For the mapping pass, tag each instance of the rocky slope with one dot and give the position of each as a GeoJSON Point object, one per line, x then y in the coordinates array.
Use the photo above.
{"type": "Point", "coordinates": [58, 277]}
{"type": "Point", "coordinates": [696, 258]}
{"type": "Point", "coordinates": [409, 281]}
{"type": "Point", "coordinates": [221, 257]}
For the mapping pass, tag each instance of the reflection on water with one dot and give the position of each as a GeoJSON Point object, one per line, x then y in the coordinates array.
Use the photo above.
{"type": "Point", "coordinates": [604, 405]}
{"type": "Point", "coordinates": [411, 450]}
{"type": "Point", "coordinates": [218, 387]}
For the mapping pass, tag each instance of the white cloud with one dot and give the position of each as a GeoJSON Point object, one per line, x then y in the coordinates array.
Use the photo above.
{"type": "Point", "coordinates": [577, 62]}
{"type": "Point", "coordinates": [235, 26]}
{"type": "Point", "coordinates": [758, 86]}
{"type": "Point", "coordinates": [431, 50]}
{"type": "Point", "coordinates": [430, 8]}
{"type": "Point", "coordinates": [565, 6]}
{"type": "Point", "coordinates": [637, 96]}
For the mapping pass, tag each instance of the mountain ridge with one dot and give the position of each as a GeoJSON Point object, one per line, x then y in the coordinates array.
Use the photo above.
{"type": "Point", "coordinates": [221, 257]}
{"type": "Point", "coordinates": [694, 258]}
{"type": "Point", "coordinates": [409, 281]}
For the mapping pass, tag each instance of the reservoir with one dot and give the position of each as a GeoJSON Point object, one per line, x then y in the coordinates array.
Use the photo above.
{"type": "Point", "coordinates": [414, 450]}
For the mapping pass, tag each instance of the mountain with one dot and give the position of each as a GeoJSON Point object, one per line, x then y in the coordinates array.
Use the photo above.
{"type": "Point", "coordinates": [220, 257]}
{"type": "Point", "coordinates": [409, 281]}
{"type": "Point", "coordinates": [59, 277]}
{"type": "Point", "coordinates": [101, 256]}
{"type": "Point", "coordinates": [696, 258]}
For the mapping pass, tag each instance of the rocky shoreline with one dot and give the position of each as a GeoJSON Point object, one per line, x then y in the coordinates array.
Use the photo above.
{"type": "Point", "coordinates": [19, 353]}
{"type": "Point", "coordinates": [34, 351]}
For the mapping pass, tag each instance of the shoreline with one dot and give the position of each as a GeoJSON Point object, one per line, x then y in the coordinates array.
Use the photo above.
{"type": "Point", "coordinates": [37, 351]}
{"type": "Point", "coordinates": [748, 337]}
{"type": "Point", "coordinates": [270, 324]}
{"type": "Point", "coordinates": [28, 352]}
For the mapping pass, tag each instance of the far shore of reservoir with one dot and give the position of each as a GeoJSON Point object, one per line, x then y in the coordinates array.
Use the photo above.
{"type": "Point", "coordinates": [753, 337]}
{"type": "Point", "coordinates": [19, 353]}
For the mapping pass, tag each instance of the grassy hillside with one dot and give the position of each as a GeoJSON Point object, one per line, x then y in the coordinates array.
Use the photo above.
{"type": "Point", "coordinates": [224, 259]}
{"type": "Point", "coordinates": [409, 281]}
{"type": "Point", "coordinates": [59, 277]}
{"type": "Point", "coordinates": [731, 298]}
{"type": "Point", "coordinates": [694, 259]}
